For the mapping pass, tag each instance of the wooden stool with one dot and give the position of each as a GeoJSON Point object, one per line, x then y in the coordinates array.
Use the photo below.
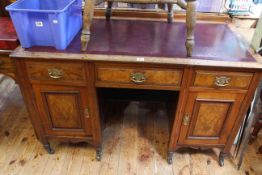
{"type": "Point", "coordinates": [168, 2]}
{"type": "Point", "coordinates": [190, 7]}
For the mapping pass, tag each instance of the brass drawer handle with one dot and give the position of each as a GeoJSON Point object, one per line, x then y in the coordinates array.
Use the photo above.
{"type": "Point", "coordinates": [186, 119]}
{"type": "Point", "coordinates": [138, 77]}
{"type": "Point", "coordinates": [222, 81]}
{"type": "Point", "coordinates": [55, 73]}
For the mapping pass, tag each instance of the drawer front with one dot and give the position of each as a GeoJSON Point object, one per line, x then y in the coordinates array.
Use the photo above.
{"type": "Point", "coordinates": [56, 71]}
{"type": "Point", "coordinates": [217, 79]}
{"type": "Point", "coordinates": [6, 64]}
{"type": "Point", "coordinates": [139, 76]}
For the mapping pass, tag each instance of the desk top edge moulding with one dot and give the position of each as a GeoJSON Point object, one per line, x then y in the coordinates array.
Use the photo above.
{"type": "Point", "coordinates": [190, 7]}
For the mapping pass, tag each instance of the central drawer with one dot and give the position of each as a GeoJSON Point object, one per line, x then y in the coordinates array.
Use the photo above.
{"type": "Point", "coordinates": [138, 76]}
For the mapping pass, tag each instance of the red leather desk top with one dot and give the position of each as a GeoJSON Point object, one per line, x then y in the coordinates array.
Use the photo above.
{"type": "Point", "coordinates": [160, 39]}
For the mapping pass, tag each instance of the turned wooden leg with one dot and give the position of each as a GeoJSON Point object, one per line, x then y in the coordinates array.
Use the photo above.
{"type": "Point", "coordinates": [98, 154]}
{"type": "Point", "coordinates": [190, 25]}
{"type": "Point", "coordinates": [48, 148]}
{"type": "Point", "coordinates": [170, 13]}
{"type": "Point", "coordinates": [170, 157]}
{"type": "Point", "coordinates": [108, 10]}
{"type": "Point", "coordinates": [221, 158]}
{"type": "Point", "coordinates": [87, 20]}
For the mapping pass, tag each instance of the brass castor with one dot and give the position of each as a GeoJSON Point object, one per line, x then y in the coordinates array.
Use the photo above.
{"type": "Point", "coordinates": [170, 158]}
{"type": "Point", "coordinates": [98, 154]}
{"type": "Point", "coordinates": [49, 149]}
{"type": "Point", "coordinates": [221, 158]}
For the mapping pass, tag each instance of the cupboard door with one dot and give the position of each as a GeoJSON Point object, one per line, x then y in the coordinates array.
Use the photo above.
{"type": "Point", "coordinates": [209, 117]}
{"type": "Point", "coordinates": [63, 110]}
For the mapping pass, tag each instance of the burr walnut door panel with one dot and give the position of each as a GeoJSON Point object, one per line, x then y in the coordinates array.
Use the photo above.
{"type": "Point", "coordinates": [209, 117]}
{"type": "Point", "coordinates": [64, 110]}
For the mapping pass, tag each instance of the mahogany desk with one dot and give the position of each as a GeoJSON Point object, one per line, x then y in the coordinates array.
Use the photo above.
{"type": "Point", "coordinates": [215, 86]}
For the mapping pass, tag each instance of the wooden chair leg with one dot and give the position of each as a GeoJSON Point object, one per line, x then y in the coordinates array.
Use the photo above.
{"type": "Point", "coordinates": [108, 10]}
{"type": "Point", "coordinates": [87, 20]}
{"type": "Point", "coordinates": [190, 25]}
{"type": "Point", "coordinates": [170, 13]}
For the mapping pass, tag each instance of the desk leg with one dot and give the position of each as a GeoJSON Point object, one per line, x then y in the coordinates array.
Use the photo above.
{"type": "Point", "coordinates": [222, 156]}
{"type": "Point", "coordinates": [170, 157]}
{"type": "Point", "coordinates": [98, 154]}
{"type": "Point", "coordinates": [190, 25]}
{"type": "Point", "coordinates": [87, 20]}
{"type": "Point", "coordinates": [48, 148]}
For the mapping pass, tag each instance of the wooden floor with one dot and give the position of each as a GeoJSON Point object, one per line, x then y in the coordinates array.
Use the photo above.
{"type": "Point", "coordinates": [134, 143]}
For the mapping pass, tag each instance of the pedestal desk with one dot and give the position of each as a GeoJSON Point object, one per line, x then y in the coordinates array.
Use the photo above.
{"type": "Point", "coordinates": [215, 86]}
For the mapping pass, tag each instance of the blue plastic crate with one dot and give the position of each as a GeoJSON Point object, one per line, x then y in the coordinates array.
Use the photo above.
{"type": "Point", "coordinates": [46, 22]}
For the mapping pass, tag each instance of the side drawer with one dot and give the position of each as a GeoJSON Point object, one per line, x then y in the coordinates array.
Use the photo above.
{"type": "Point", "coordinates": [220, 79]}
{"type": "Point", "coordinates": [56, 71]}
{"type": "Point", "coordinates": [139, 76]}
{"type": "Point", "coordinates": [6, 63]}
